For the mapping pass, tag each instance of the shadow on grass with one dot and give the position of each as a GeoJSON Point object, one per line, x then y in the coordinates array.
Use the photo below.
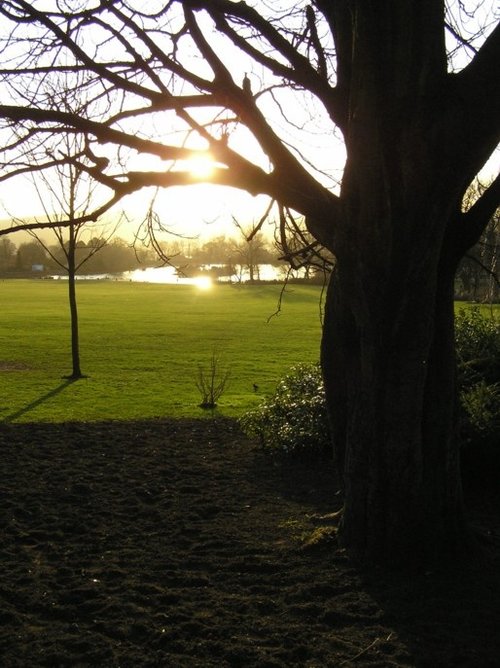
{"type": "Point", "coordinates": [45, 397]}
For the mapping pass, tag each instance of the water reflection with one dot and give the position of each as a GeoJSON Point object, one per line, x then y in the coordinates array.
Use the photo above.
{"type": "Point", "coordinates": [158, 275]}
{"type": "Point", "coordinates": [170, 275]}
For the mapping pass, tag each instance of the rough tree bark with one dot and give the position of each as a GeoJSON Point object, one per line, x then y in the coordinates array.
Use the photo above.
{"type": "Point", "coordinates": [388, 364]}
{"type": "Point", "coordinates": [388, 344]}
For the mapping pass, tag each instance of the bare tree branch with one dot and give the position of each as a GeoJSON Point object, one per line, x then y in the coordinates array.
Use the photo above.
{"type": "Point", "coordinates": [472, 223]}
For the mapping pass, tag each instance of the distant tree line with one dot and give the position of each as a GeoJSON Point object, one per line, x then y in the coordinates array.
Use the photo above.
{"type": "Point", "coordinates": [476, 278]}
{"type": "Point", "coordinates": [223, 255]}
{"type": "Point", "coordinates": [114, 256]}
{"type": "Point", "coordinates": [220, 254]}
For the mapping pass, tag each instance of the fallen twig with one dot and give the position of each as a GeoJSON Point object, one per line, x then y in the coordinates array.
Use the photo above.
{"type": "Point", "coordinates": [366, 649]}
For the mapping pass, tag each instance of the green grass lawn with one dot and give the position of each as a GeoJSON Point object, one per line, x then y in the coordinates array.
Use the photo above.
{"type": "Point", "coordinates": [141, 345]}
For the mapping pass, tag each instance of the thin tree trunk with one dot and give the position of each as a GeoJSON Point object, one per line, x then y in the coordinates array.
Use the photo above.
{"type": "Point", "coordinates": [75, 343]}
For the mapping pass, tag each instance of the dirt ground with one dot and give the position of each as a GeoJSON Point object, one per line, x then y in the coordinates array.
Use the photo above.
{"type": "Point", "coordinates": [178, 543]}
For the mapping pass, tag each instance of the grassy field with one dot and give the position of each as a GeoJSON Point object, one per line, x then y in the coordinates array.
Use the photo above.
{"type": "Point", "coordinates": [141, 345]}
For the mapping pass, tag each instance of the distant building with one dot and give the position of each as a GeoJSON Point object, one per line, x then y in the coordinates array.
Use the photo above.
{"type": "Point", "coordinates": [37, 267]}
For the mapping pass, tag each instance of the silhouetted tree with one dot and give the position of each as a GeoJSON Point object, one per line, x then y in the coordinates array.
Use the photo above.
{"type": "Point", "coordinates": [250, 251]}
{"type": "Point", "coordinates": [416, 126]}
{"type": "Point", "coordinates": [218, 250]}
{"type": "Point", "coordinates": [70, 191]}
{"type": "Point", "coordinates": [115, 256]}
{"type": "Point", "coordinates": [7, 254]}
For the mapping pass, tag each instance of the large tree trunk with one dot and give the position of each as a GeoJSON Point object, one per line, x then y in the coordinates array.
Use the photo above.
{"type": "Point", "coordinates": [391, 391]}
{"type": "Point", "coordinates": [389, 368]}
{"type": "Point", "coordinates": [388, 347]}
{"type": "Point", "coordinates": [388, 342]}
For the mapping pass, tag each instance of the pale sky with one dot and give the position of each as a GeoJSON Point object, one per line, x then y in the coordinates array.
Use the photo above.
{"type": "Point", "coordinates": [200, 211]}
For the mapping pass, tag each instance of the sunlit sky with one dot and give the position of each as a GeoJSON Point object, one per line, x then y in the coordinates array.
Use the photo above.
{"type": "Point", "coordinates": [198, 211]}
{"type": "Point", "coordinates": [202, 210]}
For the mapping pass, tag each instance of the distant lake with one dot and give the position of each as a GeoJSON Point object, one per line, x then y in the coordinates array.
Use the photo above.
{"type": "Point", "coordinates": [170, 275]}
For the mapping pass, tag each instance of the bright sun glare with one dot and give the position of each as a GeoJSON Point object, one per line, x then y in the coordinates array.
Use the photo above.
{"type": "Point", "coordinates": [203, 282]}
{"type": "Point", "coordinates": [201, 167]}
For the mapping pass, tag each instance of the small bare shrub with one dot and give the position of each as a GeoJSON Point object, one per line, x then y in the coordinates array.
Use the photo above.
{"type": "Point", "coordinates": [212, 381]}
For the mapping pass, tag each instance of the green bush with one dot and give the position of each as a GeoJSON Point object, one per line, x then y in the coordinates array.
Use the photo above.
{"type": "Point", "coordinates": [481, 404]}
{"type": "Point", "coordinates": [478, 363]}
{"type": "Point", "coordinates": [477, 340]}
{"type": "Point", "coordinates": [294, 420]}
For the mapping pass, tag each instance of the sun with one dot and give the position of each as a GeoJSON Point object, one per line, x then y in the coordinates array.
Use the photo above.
{"type": "Point", "coordinates": [203, 282]}
{"type": "Point", "coordinates": [201, 167]}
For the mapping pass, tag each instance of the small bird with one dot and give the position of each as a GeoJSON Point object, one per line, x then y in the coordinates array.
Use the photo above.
{"type": "Point", "coordinates": [247, 86]}
{"type": "Point", "coordinates": [255, 387]}
{"type": "Point", "coordinates": [100, 161]}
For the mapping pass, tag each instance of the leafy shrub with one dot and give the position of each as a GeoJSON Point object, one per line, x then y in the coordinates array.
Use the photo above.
{"type": "Point", "coordinates": [481, 404]}
{"type": "Point", "coordinates": [477, 340]}
{"type": "Point", "coordinates": [294, 420]}
{"type": "Point", "coordinates": [478, 361]}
